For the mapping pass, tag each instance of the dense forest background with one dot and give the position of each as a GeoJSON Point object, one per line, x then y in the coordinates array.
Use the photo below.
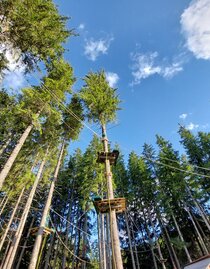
{"type": "Point", "coordinates": [47, 216]}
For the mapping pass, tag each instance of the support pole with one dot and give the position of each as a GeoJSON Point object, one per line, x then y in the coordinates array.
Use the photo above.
{"type": "Point", "coordinates": [116, 253]}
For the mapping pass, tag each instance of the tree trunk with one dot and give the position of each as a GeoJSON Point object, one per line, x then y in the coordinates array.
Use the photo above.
{"type": "Point", "coordinates": [5, 146]}
{"type": "Point", "coordinates": [199, 209]}
{"type": "Point", "coordinates": [3, 207]}
{"type": "Point", "coordinates": [85, 229]}
{"type": "Point", "coordinates": [156, 239]}
{"type": "Point", "coordinates": [103, 244]}
{"type": "Point", "coordinates": [182, 239]}
{"type": "Point", "coordinates": [14, 154]}
{"type": "Point", "coordinates": [130, 242]}
{"type": "Point", "coordinates": [38, 242]}
{"type": "Point", "coordinates": [99, 242]}
{"type": "Point", "coordinates": [25, 243]}
{"type": "Point", "coordinates": [117, 258]}
{"type": "Point", "coordinates": [203, 246]}
{"type": "Point", "coordinates": [108, 244]}
{"type": "Point", "coordinates": [170, 246]}
{"type": "Point", "coordinates": [13, 249]}
{"type": "Point", "coordinates": [49, 251]}
{"type": "Point", "coordinates": [55, 255]}
{"type": "Point", "coordinates": [135, 249]}
{"type": "Point", "coordinates": [11, 219]}
{"type": "Point", "coordinates": [3, 199]}
{"type": "Point", "coordinates": [67, 228]}
{"type": "Point", "coordinates": [150, 242]}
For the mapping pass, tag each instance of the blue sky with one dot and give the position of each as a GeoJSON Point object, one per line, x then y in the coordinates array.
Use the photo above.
{"type": "Point", "coordinates": [156, 52]}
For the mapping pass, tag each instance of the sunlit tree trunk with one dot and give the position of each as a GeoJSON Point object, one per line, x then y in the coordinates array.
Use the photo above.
{"type": "Point", "coordinates": [4, 205]}
{"type": "Point", "coordinates": [5, 146]}
{"type": "Point", "coordinates": [11, 219]}
{"type": "Point", "coordinates": [12, 157]}
{"type": "Point", "coordinates": [42, 225]}
{"type": "Point", "coordinates": [13, 248]}
{"type": "Point", "coordinates": [3, 200]}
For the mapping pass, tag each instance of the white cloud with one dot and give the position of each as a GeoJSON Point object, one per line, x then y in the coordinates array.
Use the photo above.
{"type": "Point", "coordinates": [205, 126]}
{"type": "Point", "coordinates": [112, 79]}
{"type": "Point", "coordinates": [93, 48]}
{"type": "Point", "coordinates": [14, 76]}
{"type": "Point", "coordinates": [191, 126]}
{"type": "Point", "coordinates": [81, 26]}
{"type": "Point", "coordinates": [145, 65]}
{"type": "Point", "coordinates": [195, 23]}
{"type": "Point", "coordinates": [183, 116]}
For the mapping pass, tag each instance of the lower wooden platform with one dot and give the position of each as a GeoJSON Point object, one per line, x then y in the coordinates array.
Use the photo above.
{"type": "Point", "coordinates": [106, 205]}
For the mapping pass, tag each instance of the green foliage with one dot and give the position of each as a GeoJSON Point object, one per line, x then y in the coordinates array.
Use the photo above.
{"type": "Point", "coordinates": [100, 99]}
{"type": "Point", "coordinates": [35, 28]}
{"type": "Point", "coordinates": [72, 118]}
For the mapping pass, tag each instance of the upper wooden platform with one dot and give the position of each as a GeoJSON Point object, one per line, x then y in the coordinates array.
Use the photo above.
{"type": "Point", "coordinates": [111, 156]}
{"type": "Point", "coordinates": [106, 205]}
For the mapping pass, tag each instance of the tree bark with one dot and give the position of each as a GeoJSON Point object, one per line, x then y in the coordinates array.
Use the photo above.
{"type": "Point", "coordinates": [199, 209]}
{"type": "Point", "coordinates": [182, 239]}
{"type": "Point", "coordinates": [14, 154]}
{"type": "Point", "coordinates": [3, 207]}
{"type": "Point", "coordinates": [85, 229]}
{"type": "Point", "coordinates": [5, 146]}
{"type": "Point", "coordinates": [38, 242]}
{"type": "Point", "coordinates": [129, 240]}
{"type": "Point", "coordinates": [150, 242]}
{"type": "Point", "coordinates": [117, 258]}
{"type": "Point", "coordinates": [103, 245]}
{"type": "Point", "coordinates": [99, 242]}
{"type": "Point", "coordinates": [205, 250]}
{"type": "Point", "coordinates": [156, 239]}
{"type": "Point", "coordinates": [13, 248]}
{"type": "Point", "coordinates": [108, 244]}
{"type": "Point", "coordinates": [67, 228]}
{"type": "Point", "coordinates": [170, 246]}
{"type": "Point", "coordinates": [11, 219]}
{"type": "Point", "coordinates": [25, 243]}
{"type": "Point", "coordinates": [49, 251]}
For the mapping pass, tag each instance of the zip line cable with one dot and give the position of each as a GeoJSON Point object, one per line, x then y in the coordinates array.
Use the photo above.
{"type": "Point", "coordinates": [69, 222]}
{"type": "Point", "coordinates": [204, 168]}
{"type": "Point", "coordinates": [175, 168]}
{"type": "Point", "coordinates": [72, 253]}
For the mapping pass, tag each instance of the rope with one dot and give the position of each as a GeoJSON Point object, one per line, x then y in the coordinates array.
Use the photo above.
{"type": "Point", "coordinates": [72, 253]}
{"type": "Point", "coordinates": [70, 222]}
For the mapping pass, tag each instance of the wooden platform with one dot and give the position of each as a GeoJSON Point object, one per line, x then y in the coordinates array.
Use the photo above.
{"type": "Point", "coordinates": [111, 156]}
{"type": "Point", "coordinates": [47, 230]}
{"type": "Point", "coordinates": [104, 206]}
